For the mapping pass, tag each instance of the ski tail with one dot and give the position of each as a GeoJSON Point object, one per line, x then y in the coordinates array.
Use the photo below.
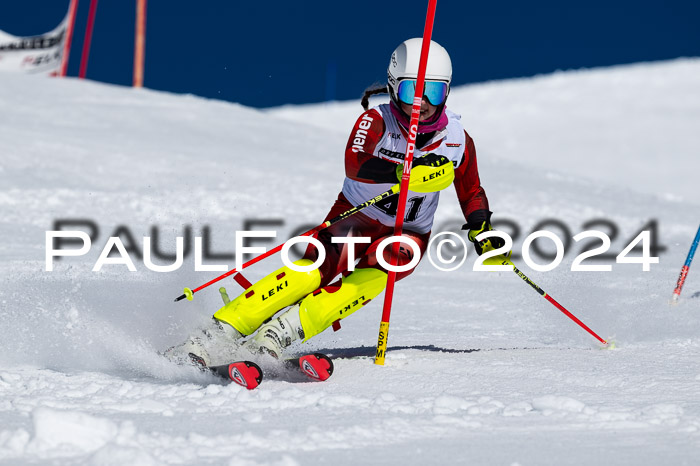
{"type": "Point", "coordinates": [244, 373]}
{"type": "Point", "coordinates": [316, 366]}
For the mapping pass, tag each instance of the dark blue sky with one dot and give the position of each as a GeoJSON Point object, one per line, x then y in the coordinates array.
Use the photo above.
{"type": "Point", "coordinates": [271, 53]}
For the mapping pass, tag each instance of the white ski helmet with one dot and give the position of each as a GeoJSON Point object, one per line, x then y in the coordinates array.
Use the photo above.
{"type": "Point", "coordinates": [404, 65]}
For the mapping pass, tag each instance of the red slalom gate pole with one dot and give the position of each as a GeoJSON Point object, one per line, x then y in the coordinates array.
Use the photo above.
{"type": "Point", "coordinates": [140, 43]}
{"type": "Point", "coordinates": [88, 39]}
{"type": "Point", "coordinates": [403, 192]}
{"type": "Point", "coordinates": [69, 36]}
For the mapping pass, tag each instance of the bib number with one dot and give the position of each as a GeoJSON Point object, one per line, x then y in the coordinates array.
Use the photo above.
{"type": "Point", "coordinates": [391, 204]}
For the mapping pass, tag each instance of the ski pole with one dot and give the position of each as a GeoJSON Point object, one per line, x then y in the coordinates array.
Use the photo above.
{"type": "Point", "coordinates": [394, 189]}
{"type": "Point", "coordinates": [403, 193]}
{"type": "Point", "coordinates": [685, 269]}
{"type": "Point", "coordinates": [555, 303]}
{"type": "Point", "coordinates": [505, 260]}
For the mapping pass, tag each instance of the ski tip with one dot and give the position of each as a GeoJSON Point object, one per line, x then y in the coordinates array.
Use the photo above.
{"type": "Point", "coordinates": [246, 374]}
{"type": "Point", "coordinates": [318, 366]}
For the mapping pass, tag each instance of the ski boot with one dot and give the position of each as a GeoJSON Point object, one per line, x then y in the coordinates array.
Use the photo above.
{"type": "Point", "coordinates": [277, 334]}
{"type": "Point", "coordinates": [209, 345]}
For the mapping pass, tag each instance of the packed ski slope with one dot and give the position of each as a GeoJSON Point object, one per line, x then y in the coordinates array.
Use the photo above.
{"type": "Point", "coordinates": [480, 369]}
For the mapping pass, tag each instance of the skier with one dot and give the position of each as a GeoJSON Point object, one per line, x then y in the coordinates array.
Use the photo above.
{"type": "Point", "coordinates": [373, 163]}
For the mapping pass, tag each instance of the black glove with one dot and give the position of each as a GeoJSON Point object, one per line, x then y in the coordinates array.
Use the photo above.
{"type": "Point", "coordinates": [431, 160]}
{"type": "Point", "coordinates": [478, 222]}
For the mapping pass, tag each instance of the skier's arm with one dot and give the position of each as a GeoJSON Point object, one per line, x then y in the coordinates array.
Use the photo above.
{"type": "Point", "coordinates": [472, 197]}
{"type": "Point", "coordinates": [360, 164]}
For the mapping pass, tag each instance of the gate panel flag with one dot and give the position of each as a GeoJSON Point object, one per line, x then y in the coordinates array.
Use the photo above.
{"type": "Point", "coordinates": [36, 54]}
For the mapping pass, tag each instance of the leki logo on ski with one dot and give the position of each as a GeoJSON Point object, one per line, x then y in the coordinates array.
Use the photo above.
{"type": "Point", "coordinates": [308, 369]}
{"type": "Point", "coordinates": [237, 377]}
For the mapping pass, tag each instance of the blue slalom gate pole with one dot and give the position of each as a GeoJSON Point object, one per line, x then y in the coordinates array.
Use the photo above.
{"type": "Point", "coordinates": [685, 268]}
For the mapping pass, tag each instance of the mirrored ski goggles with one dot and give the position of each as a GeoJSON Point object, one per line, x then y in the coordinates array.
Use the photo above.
{"type": "Point", "coordinates": [434, 91]}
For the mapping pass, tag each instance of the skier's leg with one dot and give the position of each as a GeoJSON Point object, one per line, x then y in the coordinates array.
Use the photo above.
{"type": "Point", "coordinates": [318, 311]}
{"type": "Point", "coordinates": [281, 331]}
{"type": "Point", "coordinates": [257, 304]}
{"type": "Point", "coordinates": [336, 301]}
{"type": "Point", "coordinates": [405, 253]}
{"type": "Point", "coordinates": [336, 261]}
{"type": "Point", "coordinates": [217, 341]}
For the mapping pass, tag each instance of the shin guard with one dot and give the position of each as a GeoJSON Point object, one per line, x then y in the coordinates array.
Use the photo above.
{"type": "Point", "coordinates": [319, 310]}
{"type": "Point", "coordinates": [261, 301]}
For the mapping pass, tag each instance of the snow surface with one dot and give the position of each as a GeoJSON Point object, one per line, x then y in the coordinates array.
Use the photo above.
{"type": "Point", "coordinates": [81, 381]}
